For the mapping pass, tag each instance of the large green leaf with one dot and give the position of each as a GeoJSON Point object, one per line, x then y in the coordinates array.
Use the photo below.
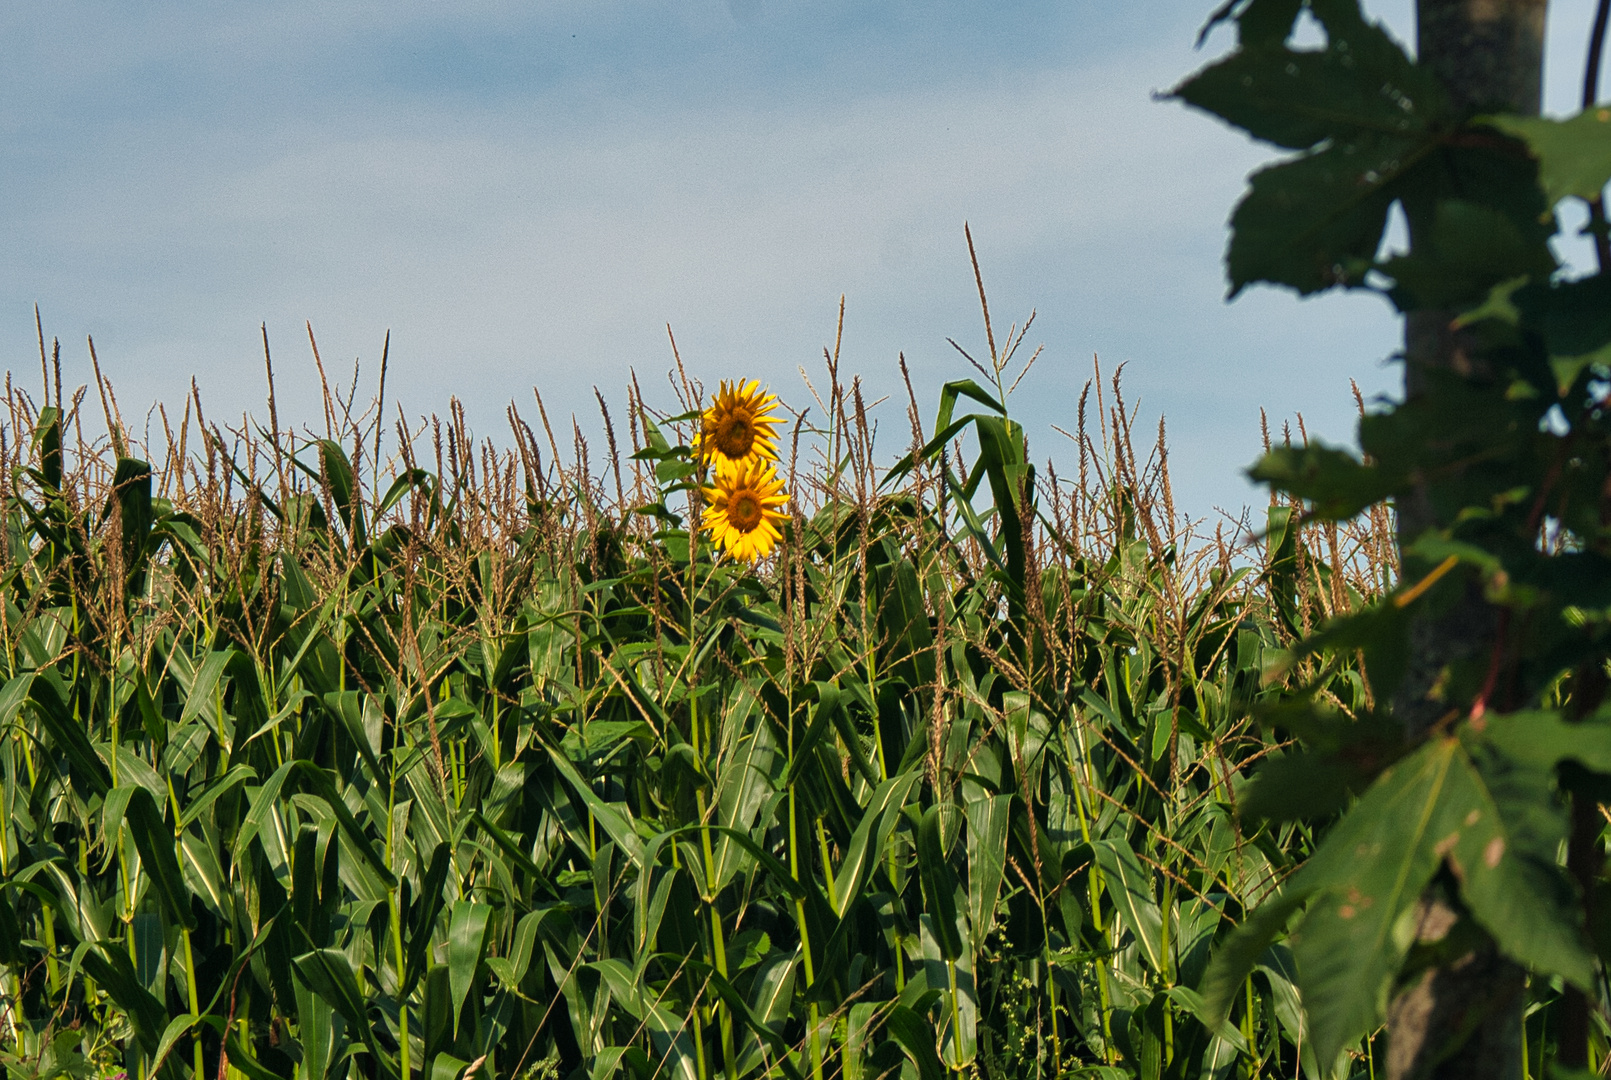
{"type": "Point", "coordinates": [1463, 253]}
{"type": "Point", "coordinates": [1365, 114]}
{"type": "Point", "coordinates": [1543, 739]}
{"type": "Point", "coordinates": [987, 852]}
{"type": "Point", "coordinates": [1130, 889]}
{"type": "Point", "coordinates": [109, 966]}
{"type": "Point", "coordinates": [939, 882]}
{"type": "Point", "coordinates": [1366, 875]}
{"type": "Point", "coordinates": [156, 843]}
{"type": "Point", "coordinates": [872, 833]}
{"type": "Point", "coordinates": [916, 1039]}
{"type": "Point", "coordinates": [1315, 222]}
{"type": "Point", "coordinates": [328, 973]}
{"type": "Point", "coordinates": [1575, 320]}
{"type": "Point", "coordinates": [1504, 853]}
{"type": "Point", "coordinates": [1296, 98]}
{"type": "Point", "coordinates": [467, 945]}
{"type": "Point", "coordinates": [1492, 820]}
{"type": "Point", "coordinates": [1574, 155]}
{"type": "Point", "coordinates": [1336, 483]}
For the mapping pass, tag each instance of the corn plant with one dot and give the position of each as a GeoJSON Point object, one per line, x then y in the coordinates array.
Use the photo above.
{"type": "Point", "coordinates": [323, 759]}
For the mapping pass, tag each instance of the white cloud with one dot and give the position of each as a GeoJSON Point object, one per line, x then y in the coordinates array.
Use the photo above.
{"type": "Point", "coordinates": [546, 233]}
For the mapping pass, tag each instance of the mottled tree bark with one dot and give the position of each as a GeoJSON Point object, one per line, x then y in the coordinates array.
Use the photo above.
{"type": "Point", "coordinates": [1461, 1019]}
{"type": "Point", "coordinates": [1488, 53]}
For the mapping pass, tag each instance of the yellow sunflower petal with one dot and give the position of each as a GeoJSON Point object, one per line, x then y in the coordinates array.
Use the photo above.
{"type": "Point", "coordinates": [737, 426]}
{"type": "Point", "coordinates": [741, 518]}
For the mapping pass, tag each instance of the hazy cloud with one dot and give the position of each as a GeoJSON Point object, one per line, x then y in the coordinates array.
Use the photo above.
{"type": "Point", "coordinates": [528, 194]}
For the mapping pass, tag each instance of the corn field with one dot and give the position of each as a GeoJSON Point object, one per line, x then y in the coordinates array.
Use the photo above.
{"type": "Point", "coordinates": [475, 760]}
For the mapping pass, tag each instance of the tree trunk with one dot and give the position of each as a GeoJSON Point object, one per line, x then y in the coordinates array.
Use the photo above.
{"type": "Point", "coordinates": [1488, 53]}
{"type": "Point", "coordinates": [1463, 1019]}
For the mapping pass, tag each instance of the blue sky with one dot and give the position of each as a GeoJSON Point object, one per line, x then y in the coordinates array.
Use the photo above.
{"type": "Point", "coordinates": [525, 194]}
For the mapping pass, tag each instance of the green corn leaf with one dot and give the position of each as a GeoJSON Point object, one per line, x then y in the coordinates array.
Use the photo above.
{"type": "Point", "coordinates": [223, 785]}
{"type": "Point", "coordinates": [939, 883]}
{"type": "Point", "coordinates": [202, 693]}
{"type": "Point", "coordinates": [904, 621]}
{"type": "Point", "coordinates": [423, 919]}
{"type": "Point", "coordinates": [987, 854]}
{"type": "Point", "coordinates": [347, 706]}
{"type": "Point", "coordinates": [1130, 890]}
{"type": "Point", "coordinates": [667, 1030]}
{"type": "Point", "coordinates": [13, 696]}
{"type": "Point", "coordinates": [156, 727]}
{"type": "Point", "coordinates": [203, 875]}
{"type": "Point", "coordinates": [407, 480]}
{"type": "Point", "coordinates": [335, 473]}
{"type": "Point", "coordinates": [467, 944]}
{"type": "Point", "coordinates": [49, 698]}
{"type": "Point", "coordinates": [10, 933]}
{"type": "Point", "coordinates": [858, 1040]}
{"type": "Point", "coordinates": [155, 841]}
{"type": "Point", "coordinates": [1221, 1027]}
{"type": "Point", "coordinates": [805, 749]}
{"type": "Point", "coordinates": [110, 967]}
{"type": "Point", "coordinates": [916, 1039]}
{"type": "Point", "coordinates": [964, 388]}
{"type": "Point", "coordinates": [1238, 954]}
{"type": "Point", "coordinates": [319, 1027]}
{"type": "Point", "coordinates": [177, 1028]}
{"type": "Point", "coordinates": [719, 988]}
{"type": "Point", "coordinates": [262, 809]}
{"type": "Point", "coordinates": [512, 851]}
{"type": "Point", "coordinates": [945, 427]}
{"type": "Point", "coordinates": [47, 447]}
{"type": "Point", "coordinates": [131, 487]}
{"type": "Point", "coordinates": [238, 1057]}
{"type": "Point", "coordinates": [611, 819]}
{"type": "Point", "coordinates": [847, 732]}
{"type": "Point", "coordinates": [773, 990]}
{"type": "Point", "coordinates": [319, 780]}
{"type": "Point", "coordinates": [872, 833]}
{"type": "Point", "coordinates": [328, 973]}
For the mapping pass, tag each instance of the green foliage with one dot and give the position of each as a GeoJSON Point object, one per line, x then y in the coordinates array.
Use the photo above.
{"type": "Point", "coordinates": [1498, 459]}
{"type": "Point", "coordinates": [1374, 128]}
{"type": "Point", "coordinates": [313, 765]}
{"type": "Point", "coordinates": [317, 767]}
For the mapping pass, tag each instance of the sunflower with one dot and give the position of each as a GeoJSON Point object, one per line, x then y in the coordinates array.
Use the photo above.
{"type": "Point", "coordinates": [742, 517]}
{"type": "Point", "coordinates": [737, 428]}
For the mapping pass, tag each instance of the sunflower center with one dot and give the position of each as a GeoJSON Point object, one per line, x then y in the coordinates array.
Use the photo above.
{"type": "Point", "coordinates": [734, 435]}
{"type": "Point", "coordinates": [744, 511]}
